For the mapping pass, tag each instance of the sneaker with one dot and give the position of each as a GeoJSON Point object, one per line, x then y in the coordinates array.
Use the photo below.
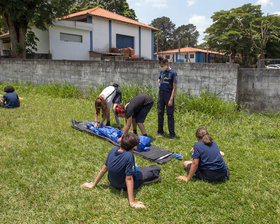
{"type": "Point", "coordinates": [108, 123]}
{"type": "Point", "coordinates": [171, 137]}
{"type": "Point", "coordinates": [159, 135]}
{"type": "Point", "coordinates": [153, 181]}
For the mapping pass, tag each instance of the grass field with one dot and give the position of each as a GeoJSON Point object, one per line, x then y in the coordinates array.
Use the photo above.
{"type": "Point", "coordinates": [43, 162]}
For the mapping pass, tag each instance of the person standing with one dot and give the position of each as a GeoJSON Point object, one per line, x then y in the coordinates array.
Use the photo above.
{"type": "Point", "coordinates": [167, 82]}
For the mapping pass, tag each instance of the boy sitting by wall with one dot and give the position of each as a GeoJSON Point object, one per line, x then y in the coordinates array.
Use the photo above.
{"type": "Point", "coordinates": [10, 99]}
{"type": "Point", "coordinates": [122, 171]}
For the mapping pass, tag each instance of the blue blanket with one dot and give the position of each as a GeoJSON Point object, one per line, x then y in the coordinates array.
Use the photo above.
{"type": "Point", "coordinates": [114, 134]}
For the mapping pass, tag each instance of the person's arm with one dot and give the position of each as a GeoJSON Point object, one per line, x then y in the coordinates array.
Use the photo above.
{"type": "Point", "coordinates": [193, 169]}
{"type": "Point", "coordinates": [129, 185]}
{"type": "Point", "coordinates": [96, 120]}
{"type": "Point", "coordinates": [158, 82]}
{"type": "Point", "coordinates": [170, 102]}
{"type": "Point", "coordinates": [97, 179]}
{"type": "Point", "coordinates": [127, 127]}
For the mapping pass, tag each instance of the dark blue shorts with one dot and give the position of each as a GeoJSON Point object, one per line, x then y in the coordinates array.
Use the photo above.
{"type": "Point", "coordinates": [142, 114]}
{"type": "Point", "coordinates": [210, 175]}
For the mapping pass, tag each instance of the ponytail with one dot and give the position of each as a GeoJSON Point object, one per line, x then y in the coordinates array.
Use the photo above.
{"type": "Point", "coordinates": [203, 135]}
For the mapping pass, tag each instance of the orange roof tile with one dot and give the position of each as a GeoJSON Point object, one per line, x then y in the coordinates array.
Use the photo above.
{"type": "Point", "coordinates": [189, 49]}
{"type": "Point", "coordinates": [99, 12]}
{"type": "Point", "coordinates": [5, 35]}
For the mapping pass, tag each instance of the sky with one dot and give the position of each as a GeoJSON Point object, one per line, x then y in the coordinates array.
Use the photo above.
{"type": "Point", "coordinates": [197, 12]}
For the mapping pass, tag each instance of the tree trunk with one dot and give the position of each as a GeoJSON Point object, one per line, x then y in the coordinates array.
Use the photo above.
{"type": "Point", "coordinates": [17, 37]}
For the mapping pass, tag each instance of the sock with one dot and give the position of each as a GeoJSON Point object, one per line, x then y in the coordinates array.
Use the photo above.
{"type": "Point", "coordinates": [145, 134]}
{"type": "Point", "coordinates": [135, 132]}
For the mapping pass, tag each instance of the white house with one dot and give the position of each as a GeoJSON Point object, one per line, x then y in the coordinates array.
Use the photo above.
{"type": "Point", "coordinates": [74, 36]}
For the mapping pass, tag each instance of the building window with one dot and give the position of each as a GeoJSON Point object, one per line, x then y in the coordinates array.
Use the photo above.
{"type": "Point", "coordinates": [71, 37]}
{"type": "Point", "coordinates": [191, 55]}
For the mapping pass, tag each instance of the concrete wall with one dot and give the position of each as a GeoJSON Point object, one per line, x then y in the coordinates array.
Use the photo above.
{"type": "Point", "coordinates": [221, 78]}
{"type": "Point", "coordinates": [259, 89]}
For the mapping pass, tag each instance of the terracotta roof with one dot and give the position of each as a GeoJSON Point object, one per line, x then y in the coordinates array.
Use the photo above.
{"type": "Point", "coordinates": [189, 49]}
{"type": "Point", "coordinates": [99, 12]}
{"type": "Point", "coordinates": [4, 35]}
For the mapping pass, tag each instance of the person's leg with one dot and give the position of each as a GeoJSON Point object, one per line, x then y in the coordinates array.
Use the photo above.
{"type": "Point", "coordinates": [2, 105]}
{"type": "Point", "coordinates": [186, 164]}
{"type": "Point", "coordinates": [160, 107]}
{"type": "Point", "coordinates": [142, 128]}
{"type": "Point", "coordinates": [141, 116]}
{"type": "Point", "coordinates": [134, 125]}
{"type": "Point", "coordinates": [118, 122]}
{"type": "Point", "coordinates": [149, 174]}
{"type": "Point", "coordinates": [170, 117]}
{"type": "Point", "coordinates": [108, 123]}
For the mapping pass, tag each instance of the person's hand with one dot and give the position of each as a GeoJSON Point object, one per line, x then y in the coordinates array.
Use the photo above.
{"type": "Point", "coordinates": [119, 140]}
{"type": "Point", "coordinates": [87, 185]}
{"type": "Point", "coordinates": [137, 204]}
{"type": "Point", "coordinates": [96, 125]}
{"type": "Point", "coordinates": [184, 178]}
{"type": "Point", "coordinates": [170, 103]}
{"type": "Point", "coordinates": [191, 150]}
{"type": "Point", "coordinates": [222, 154]}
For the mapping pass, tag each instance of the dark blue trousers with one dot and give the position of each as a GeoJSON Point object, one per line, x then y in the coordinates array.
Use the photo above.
{"type": "Point", "coordinates": [163, 98]}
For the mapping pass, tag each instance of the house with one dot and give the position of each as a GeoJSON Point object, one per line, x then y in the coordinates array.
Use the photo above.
{"type": "Point", "coordinates": [74, 36]}
{"type": "Point", "coordinates": [193, 55]}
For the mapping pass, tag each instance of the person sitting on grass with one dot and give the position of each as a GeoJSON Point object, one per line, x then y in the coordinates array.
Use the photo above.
{"type": "Point", "coordinates": [135, 112]}
{"type": "Point", "coordinates": [122, 171]}
{"type": "Point", "coordinates": [10, 99]}
{"type": "Point", "coordinates": [207, 162]}
{"type": "Point", "coordinates": [110, 95]}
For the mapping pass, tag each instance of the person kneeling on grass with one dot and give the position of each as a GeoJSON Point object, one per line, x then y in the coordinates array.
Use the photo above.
{"type": "Point", "coordinates": [122, 171]}
{"type": "Point", "coordinates": [10, 99]}
{"type": "Point", "coordinates": [207, 163]}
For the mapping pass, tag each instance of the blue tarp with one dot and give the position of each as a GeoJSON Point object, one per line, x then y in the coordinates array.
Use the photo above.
{"type": "Point", "coordinates": [114, 134]}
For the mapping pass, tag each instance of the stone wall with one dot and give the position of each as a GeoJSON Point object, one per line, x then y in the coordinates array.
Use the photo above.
{"type": "Point", "coordinates": [193, 78]}
{"type": "Point", "coordinates": [259, 89]}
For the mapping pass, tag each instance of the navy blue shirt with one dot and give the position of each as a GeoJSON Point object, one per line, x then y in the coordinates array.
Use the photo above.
{"type": "Point", "coordinates": [120, 165]}
{"type": "Point", "coordinates": [11, 100]}
{"type": "Point", "coordinates": [209, 157]}
{"type": "Point", "coordinates": [167, 78]}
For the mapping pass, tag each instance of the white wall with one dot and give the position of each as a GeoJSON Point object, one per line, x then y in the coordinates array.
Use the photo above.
{"type": "Point", "coordinates": [128, 30]}
{"type": "Point", "coordinates": [100, 35]}
{"type": "Point", "coordinates": [69, 50]}
{"type": "Point", "coordinates": [43, 45]}
{"type": "Point", "coordinates": [146, 43]}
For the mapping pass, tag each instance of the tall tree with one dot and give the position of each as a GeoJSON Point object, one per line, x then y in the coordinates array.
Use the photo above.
{"type": "Point", "coordinates": [165, 35]}
{"type": "Point", "coordinates": [186, 35]}
{"type": "Point", "coordinates": [120, 7]}
{"type": "Point", "coordinates": [19, 15]}
{"type": "Point", "coordinates": [3, 26]}
{"type": "Point", "coordinates": [242, 31]}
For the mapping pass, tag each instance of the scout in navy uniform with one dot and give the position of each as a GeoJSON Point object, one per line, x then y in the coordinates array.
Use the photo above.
{"type": "Point", "coordinates": [135, 113]}
{"type": "Point", "coordinates": [123, 172]}
{"type": "Point", "coordinates": [207, 162]}
{"type": "Point", "coordinates": [167, 82]}
{"type": "Point", "coordinates": [10, 99]}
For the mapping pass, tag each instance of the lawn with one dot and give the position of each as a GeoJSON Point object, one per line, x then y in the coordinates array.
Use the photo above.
{"type": "Point", "coordinates": [43, 162]}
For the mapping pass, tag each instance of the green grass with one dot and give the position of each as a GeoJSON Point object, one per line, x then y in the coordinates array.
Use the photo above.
{"type": "Point", "coordinates": [43, 162]}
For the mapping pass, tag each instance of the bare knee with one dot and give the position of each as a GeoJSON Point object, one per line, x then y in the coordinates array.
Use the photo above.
{"type": "Point", "coordinates": [186, 163]}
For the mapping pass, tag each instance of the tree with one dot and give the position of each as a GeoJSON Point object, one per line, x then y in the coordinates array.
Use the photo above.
{"type": "Point", "coordinates": [19, 15]}
{"type": "Point", "coordinates": [186, 34]}
{"type": "Point", "coordinates": [165, 35]}
{"type": "Point", "coordinates": [120, 7]}
{"type": "Point", "coordinates": [3, 26]}
{"type": "Point", "coordinates": [242, 31]}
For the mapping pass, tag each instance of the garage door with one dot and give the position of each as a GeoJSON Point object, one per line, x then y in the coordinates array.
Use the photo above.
{"type": "Point", "coordinates": [124, 41]}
